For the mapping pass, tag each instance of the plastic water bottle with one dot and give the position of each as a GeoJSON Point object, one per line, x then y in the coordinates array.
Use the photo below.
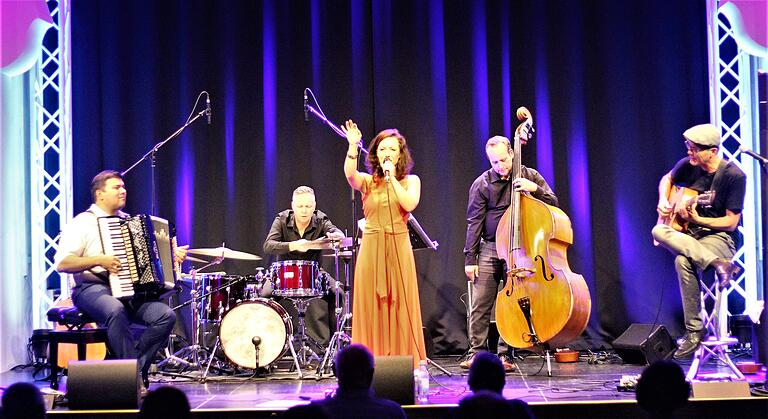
{"type": "Point", "coordinates": [421, 383]}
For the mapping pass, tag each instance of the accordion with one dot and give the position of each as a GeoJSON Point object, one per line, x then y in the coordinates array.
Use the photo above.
{"type": "Point", "coordinates": [145, 246]}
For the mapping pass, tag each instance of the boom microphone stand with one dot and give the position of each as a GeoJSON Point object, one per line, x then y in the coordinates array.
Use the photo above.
{"type": "Point", "coordinates": [151, 154]}
{"type": "Point", "coordinates": [318, 112]}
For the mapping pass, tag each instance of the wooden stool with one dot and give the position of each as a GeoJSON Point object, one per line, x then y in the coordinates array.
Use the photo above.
{"type": "Point", "coordinates": [714, 345]}
{"type": "Point", "coordinates": [74, 320]}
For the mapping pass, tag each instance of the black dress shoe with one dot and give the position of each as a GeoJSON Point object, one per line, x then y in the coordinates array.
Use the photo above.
{"type": "Point", "coordinates": [689, 344]}
{"type": "Point", "coordinates": [725, 270]}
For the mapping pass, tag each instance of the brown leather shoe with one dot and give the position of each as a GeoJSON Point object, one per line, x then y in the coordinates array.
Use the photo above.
{"type": "Point", "coordinates": [509, 366]}
{"type": "Point", "coordinates": [465, 364]}
{"type": "Point", "coordinates": [725, 270]}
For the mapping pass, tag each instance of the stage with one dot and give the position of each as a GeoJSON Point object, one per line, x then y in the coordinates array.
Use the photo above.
{"type": "Point", "coordinates": [581, 389]}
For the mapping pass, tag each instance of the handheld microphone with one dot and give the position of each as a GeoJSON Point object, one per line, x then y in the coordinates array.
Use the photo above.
{"type": "Point", "coordinates": [750, 153]}
{"type": "Point", "coordinates": [208, 107]}
{"type": "Point", "coordinates": [386, 172]}
{"type": "Point", "coordinates": [306, 107]}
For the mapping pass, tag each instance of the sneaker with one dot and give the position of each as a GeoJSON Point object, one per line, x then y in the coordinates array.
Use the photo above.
{"type": "Point", "coordinates": [509, 366]}
{"type": "Point", "coordinates": [465, 364]}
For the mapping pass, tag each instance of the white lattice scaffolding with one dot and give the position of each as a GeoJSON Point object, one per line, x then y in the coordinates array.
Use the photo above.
{"type": "Point", "coordinates": [733, 106]}
{"type": "Point", "coordinates": [51, 160]}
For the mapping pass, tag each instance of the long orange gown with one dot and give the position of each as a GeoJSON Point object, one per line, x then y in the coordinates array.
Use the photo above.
{"type": "Point", "coordinates": [386, 314]}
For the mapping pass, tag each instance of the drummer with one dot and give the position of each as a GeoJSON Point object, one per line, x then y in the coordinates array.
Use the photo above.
{"type": "Point", "coordinates": [290, 238]}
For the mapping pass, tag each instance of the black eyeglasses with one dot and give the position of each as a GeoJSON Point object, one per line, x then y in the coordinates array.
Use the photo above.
{"type": "Point", "coordinates": [694, 147]}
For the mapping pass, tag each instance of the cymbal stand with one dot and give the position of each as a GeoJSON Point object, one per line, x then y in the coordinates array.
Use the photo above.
{"type": "Point", "coordinates": [305, 353]}
{"type": "Point", "coordinates": [343, 315]}
{"type": "Point", "coordinates": [190, 356]}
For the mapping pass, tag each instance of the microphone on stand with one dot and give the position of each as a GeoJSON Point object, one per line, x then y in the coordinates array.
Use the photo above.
{"type": "Point", "coordinates": [208, 107]}
{"type": "Point", "coordinates": [256, 341]}
{"type": "Point", "coordinates": [750, 153]}
{"type": "Point", "coordinates": [306, 107]}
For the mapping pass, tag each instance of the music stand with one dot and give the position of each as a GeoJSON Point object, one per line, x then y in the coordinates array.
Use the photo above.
{"type": "Point", "coordinates": [419, 238]}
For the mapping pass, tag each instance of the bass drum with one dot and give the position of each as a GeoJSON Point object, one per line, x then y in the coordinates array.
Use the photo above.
{"type": "Point", "coordinates": [263, 318]}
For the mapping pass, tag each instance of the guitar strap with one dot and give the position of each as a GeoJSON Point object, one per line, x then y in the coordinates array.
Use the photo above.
{"type": "Point", "coordinates": [698, 231]}
{"type": "Point", "coordinates": [719, 175]}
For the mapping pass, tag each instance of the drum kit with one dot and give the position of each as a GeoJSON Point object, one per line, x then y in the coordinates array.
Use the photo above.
{"type": "Point", "coordinates": [251, 329]}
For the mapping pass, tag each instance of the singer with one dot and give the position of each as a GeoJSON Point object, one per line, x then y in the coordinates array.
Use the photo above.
{"type": "Point", "coordinates": [386, 310]}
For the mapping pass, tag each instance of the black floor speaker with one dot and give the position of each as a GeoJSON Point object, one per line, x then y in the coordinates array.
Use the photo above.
{"type": "Point", "coordinates": [641, 345]}
{"type": "Point", "coordinates": [111, 384]}
{"type": "Point", "coordinates": [393, 378]}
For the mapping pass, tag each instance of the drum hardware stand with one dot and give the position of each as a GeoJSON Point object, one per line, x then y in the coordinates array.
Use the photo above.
{"type": "Point", "coordinates": [343, 315]}
{"type": "Point", "coordinates": [194, 355]}
{"type": "Point", "coordinates": [301, 308]}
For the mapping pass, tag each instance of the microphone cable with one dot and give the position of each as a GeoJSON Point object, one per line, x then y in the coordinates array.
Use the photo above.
{"type": "Point", "coordinates": [400, 268]}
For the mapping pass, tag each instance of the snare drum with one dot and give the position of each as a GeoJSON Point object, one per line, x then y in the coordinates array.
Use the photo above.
{"type": "Point", "coordinates": [263, 318]}
{"type": "Point", "coordinates": [297, 278]}
{"type": "Point", "coordinates": [219, 302]}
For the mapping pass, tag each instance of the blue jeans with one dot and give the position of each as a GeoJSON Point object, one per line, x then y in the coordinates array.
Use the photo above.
{"type": "Point", "coordinates": [492, 272]}
{"type": "Point", "coordinates": [97, 302]}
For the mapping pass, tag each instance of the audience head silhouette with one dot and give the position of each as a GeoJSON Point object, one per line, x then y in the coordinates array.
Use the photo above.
{"type": "Point", "coordinates": [486, 373]}
{"type": "Point", "coordinates": [23, 400]}
{"type": "Point", "coordinates": [490, 404]}
{"type": "Point", "coordinates": [354, 368]}
{"type": "Point", "coordinates": [165, 402]}
{"type": "Point", "coordinates": [308, 411]}
{"type": "Point", "coordinates": [662, 389]}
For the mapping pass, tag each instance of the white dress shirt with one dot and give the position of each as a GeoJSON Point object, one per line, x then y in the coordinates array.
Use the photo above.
{"type": "Point", "coordinates": [80, 237]}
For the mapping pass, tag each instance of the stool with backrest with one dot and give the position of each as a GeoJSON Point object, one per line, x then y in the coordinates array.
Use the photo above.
{"type": "Point", "coordinates": [714, 345]}
{"type": "Point", "coordinates": [78, 330]}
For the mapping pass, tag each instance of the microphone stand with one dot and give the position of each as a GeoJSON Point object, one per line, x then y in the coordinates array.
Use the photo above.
{"type": "Point", "coordinates": [153, 151]}
{"type": "Point", "coordinates": [355, 229]}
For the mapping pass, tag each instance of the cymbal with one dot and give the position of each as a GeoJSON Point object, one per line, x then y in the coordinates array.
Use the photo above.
{"type": "Point", "coordinates": [223, 251]}
{"type": "Point", "coordinates": [329, 243]}
{"type": "Point", "coordinates": [346, 254]}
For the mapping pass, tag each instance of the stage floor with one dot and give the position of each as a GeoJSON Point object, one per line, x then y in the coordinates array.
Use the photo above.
{"type": "Point", "coordinates": [580, 383]}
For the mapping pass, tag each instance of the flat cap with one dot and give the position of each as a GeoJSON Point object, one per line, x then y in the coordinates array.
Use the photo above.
{"type": "Point", "coordinates": [704, 135]}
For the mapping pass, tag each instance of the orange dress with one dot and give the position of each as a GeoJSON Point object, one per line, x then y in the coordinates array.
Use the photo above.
{"type": "Point", "coordinates": [386, 314]}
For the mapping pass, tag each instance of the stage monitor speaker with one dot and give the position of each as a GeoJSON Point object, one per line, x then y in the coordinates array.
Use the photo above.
{"type": "Point", "coordinates": [111, 384]}
{"type": "Point", "coordinates": [393, 378]}
{"type": "Point", "coordinates": [641, 345]}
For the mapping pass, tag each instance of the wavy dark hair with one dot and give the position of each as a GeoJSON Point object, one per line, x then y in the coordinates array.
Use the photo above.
{"type": "Point", "coordinates": [404, 163]}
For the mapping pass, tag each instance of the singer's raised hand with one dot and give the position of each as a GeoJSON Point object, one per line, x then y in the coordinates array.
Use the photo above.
{"type": "Point", "coordinates": [352, 132]}
{"type": "Point", "coordinates": [354, 178]}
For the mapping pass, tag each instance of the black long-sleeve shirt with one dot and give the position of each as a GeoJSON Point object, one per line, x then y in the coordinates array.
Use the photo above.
{"type": "Point", "coordinates": [489, 197]}
{"type": "Point", "coordinates": [284, 230]}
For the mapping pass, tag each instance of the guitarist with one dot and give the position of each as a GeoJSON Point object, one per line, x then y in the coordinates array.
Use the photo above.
{"type": "Point", "coordinates": [709, 241]}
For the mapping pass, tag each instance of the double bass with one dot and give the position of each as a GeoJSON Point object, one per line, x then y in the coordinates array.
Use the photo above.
{"type": "Point", "coordinates": [543, 303]}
